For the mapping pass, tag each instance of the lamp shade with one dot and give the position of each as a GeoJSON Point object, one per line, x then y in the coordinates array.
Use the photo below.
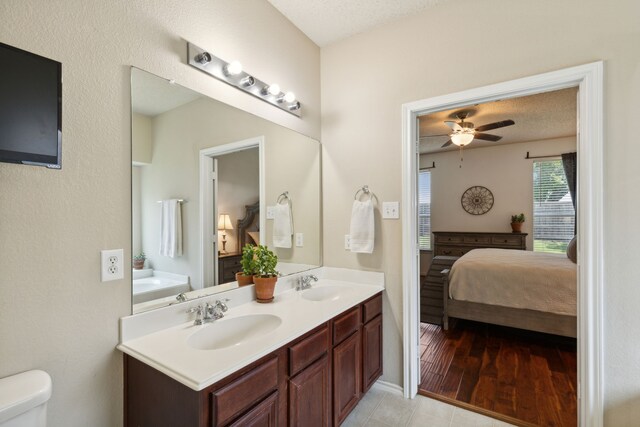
{"type": "Point", "coordinates": [462, 138]}
{"type": "Point", "coordinates": [224, 222]}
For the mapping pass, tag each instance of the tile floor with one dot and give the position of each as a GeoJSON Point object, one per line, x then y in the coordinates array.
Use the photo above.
{"type": "Point", "coordinates": [380, 408]}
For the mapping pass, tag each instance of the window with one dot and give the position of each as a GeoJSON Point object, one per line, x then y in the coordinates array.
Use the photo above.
{"type": "Point", "coordinates": [553, 212]}
{"type": "Point", "coordinates": [424, 210]}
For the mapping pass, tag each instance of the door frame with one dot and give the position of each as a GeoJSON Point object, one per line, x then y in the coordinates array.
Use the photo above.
{"type": "Point", "coordinates": [589, 79]}
{"type": "Point", "coordinates": [207, 225]}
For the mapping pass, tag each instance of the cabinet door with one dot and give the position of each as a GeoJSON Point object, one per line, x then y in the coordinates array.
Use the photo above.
{"type": "Point", "coordinates": [347, 377]}
{"type": "Point", "coordinates": [371, 352]}
{"type": "Point", "coordinates": [264, 414]}
{"type": "Point", "coordinates": [309, 396]}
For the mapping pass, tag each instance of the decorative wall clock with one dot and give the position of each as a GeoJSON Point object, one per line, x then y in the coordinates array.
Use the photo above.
{"type": "Point", "coordinates": [477, 200]}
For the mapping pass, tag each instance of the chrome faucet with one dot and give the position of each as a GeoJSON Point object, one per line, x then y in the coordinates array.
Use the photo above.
{"type": "Point", "coordinates": [304, 282]}
{"type": "Point", "coordinates": [208, 313]}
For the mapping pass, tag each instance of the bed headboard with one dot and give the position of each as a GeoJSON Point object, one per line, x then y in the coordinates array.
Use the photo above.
{"type": "Point", "coordinates": [250, 222]}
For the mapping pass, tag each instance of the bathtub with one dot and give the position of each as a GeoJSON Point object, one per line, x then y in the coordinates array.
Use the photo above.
{"type": "Point", "coordinates": [151, 284]}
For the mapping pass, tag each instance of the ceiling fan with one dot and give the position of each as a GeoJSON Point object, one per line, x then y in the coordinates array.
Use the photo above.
{"type": "Point", "coordinates": [462, 133]}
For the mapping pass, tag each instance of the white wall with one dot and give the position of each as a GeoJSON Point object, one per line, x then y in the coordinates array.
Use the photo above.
{"type": "Point", "coordinates": [503, 170]}
{"type": "Point", "coordinates": [238, 186]}
{"type": "Point", "coordinates": [141, 138]}
{"type": "Point", "coordinates": [366, 79]}
{"type": "Point", "coordinates": [54, 312]}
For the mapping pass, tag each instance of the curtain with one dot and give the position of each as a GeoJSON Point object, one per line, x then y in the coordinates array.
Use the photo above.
{"type": "Point", "coordinates": [570, 166]}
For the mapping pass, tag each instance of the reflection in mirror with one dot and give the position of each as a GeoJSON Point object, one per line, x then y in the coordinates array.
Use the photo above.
{"type": "Point", "coordinates": [206, 179]}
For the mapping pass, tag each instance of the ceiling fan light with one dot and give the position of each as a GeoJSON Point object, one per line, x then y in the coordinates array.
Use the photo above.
{"type": "Point", "coordinates": [461, 139]}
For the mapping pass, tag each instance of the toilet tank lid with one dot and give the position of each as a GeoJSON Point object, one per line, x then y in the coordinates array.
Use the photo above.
{"type": "Point", "coordinates": [22, 392]}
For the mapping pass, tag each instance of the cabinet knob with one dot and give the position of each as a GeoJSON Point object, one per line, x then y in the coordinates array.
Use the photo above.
{"type": "Point", "coordinates": [476, 240]}
{"type": "Point", "coordinates": [447, 252]}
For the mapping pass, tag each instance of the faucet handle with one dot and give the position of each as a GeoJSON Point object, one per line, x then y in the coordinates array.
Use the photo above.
{"type": "Point", "coordinates": [199, 311]}
{"type": "Point", "coordinates": [221, 304]}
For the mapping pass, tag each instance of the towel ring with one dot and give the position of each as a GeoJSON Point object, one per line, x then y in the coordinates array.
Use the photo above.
{"type": "Point", "coordinates": [283, 197]}
{"type": "Point", "coordinates": [365, 190]}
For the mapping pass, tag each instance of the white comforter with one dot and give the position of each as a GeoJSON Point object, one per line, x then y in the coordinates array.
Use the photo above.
{"type": "Point", "coordinates": [514, 278]}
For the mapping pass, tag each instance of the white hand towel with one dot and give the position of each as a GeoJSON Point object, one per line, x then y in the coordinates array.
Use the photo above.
{"type": "Point", "coordinates": [362, 227]}
{"type": "Point", "coordinates": [171, 229]}
{"type": "Point", "coordinates": [282, 226]}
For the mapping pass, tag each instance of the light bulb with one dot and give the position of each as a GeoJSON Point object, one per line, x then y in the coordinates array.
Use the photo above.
{"type": "Point", "coordinates": [274, 89]}
{"type": "Point", "coordinates": [233, 68]}
{"type": "Point", "coordinates": [290, 97]}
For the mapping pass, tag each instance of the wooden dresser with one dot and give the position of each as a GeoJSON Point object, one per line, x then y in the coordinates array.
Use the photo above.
{"type": "Point", "coordinates": [228, 266]}
{"type": "Point", "coordinates": [449, 246]}
{"type": "Point", "coordinates": [458, 243]}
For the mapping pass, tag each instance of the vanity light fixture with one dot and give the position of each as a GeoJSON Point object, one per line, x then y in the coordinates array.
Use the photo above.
{"type": "Point", "coordinates": [233, 74]}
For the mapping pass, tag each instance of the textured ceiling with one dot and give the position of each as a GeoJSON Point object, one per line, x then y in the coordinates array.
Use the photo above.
{"type": "Point", "coordinates": [537, 117]}
{"type": "Point", "coordinates": [152, 95]}
{"type": "Point", "coordinates": [327, 21]}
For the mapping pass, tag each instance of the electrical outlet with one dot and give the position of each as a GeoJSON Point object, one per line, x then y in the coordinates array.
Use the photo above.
{"type": "Point", "coordinates": [112, 264]}
{"type": "Point", "coordinates": [271, 212]}
{"type": "Point", "coordinates": [299, 240]}
{"type": "Point", "coordinates": [390, 210]}
{"type": "Point", "coordinates": [347, 241]}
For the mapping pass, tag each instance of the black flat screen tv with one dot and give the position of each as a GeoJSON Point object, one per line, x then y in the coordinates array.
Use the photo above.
{"type": "Point", "coordinates": [30, 108]}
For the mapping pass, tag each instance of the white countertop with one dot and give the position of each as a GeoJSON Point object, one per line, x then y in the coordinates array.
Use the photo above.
{"type": "Point", "coordinates": [167, 350]}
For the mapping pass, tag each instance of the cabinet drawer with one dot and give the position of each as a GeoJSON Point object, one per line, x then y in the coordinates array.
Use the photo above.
{"type": "Point", "coordinates": [451, 251]}
{"type": "Point", "coordinates": [264, 414]}
{"type": "Point", "coordinates": [507, 240]}
{"type": "Point", "coordinates": [308, 350]}
{"type": "Point", "coordinates": [449, 239]}
{"type": "Point", "coordinates": [238, 396]}
{"type": "Point", "coordinates": [485, 240]}
{"type": "Point", "coordinates": [346, 325]}
{"type": "Point", "coordinates": [371, 308]}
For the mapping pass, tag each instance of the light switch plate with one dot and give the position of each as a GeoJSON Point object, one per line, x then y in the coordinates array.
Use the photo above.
{"type": "Point", "coordinates": [390, 210]}
{"type": "Point", "coordinates": [299, 240]}
{"type": "Point", "coordinates": [270, 212]}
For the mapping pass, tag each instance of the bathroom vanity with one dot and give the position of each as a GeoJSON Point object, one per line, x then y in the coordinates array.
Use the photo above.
{"type": "Point", "coordinates": [312, 368]}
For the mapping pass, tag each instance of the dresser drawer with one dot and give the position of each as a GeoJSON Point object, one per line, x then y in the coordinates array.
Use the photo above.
{"type": "Point", "coordinates": [308, 350]}
{"type": "Point", "coordinates": [238, 396]}
{"type": "Point", "coordinates": [371, 308]}
{"type": "Point", "coordinates": [483, 240]}
{"type": "Point", "coordinates": [449, 239]}
{"type": "Point", "coordinates": [507, 240]}
{"type": "Point", "coordinates": [346, 325]}
{"type": "Point", "coordinates": [451, 251]}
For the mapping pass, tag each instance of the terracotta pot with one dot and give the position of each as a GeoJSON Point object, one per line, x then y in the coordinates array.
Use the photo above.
{"type": "Point", "coordinates": [138, 264]}
{"type": "Point", "coordinates": [265, 286]}
{"type": "Point", "coordinates": [243, 280]}
{"type": "Point", "coordinates": [516, 227]}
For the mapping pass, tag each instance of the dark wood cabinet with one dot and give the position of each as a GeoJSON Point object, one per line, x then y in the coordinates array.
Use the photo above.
{"type": "Point", "coordinates": [228, 266]}
{"type": "Point", "coordinates": [315, 380]}
{"type": "Point", "coordinates": [458, 243]}
{"type": "Point", "coordinates": [310, 396]}
{"type": "Point", "coordinates": [347, 377]}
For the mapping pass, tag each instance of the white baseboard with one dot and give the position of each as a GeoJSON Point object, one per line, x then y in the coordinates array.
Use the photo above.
{"type": "Point", "coordinates": [389, 387]}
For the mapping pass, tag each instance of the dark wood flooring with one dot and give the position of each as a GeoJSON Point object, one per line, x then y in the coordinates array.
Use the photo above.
{"type": "Point", "coordinates": [526, 375]}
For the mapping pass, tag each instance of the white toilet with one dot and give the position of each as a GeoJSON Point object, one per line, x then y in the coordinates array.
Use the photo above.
{"type": "Point", "coordinates": [23, 399]}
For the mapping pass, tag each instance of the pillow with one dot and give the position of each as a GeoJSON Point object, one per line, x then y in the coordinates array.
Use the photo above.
{"type": "Point", "coordinates": [572, 250]}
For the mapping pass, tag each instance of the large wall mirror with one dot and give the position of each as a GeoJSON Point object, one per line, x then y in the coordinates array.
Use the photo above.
{"type": "Point", "coordinates": [208, 178]}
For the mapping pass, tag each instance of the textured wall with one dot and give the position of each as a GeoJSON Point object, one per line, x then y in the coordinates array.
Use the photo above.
{"type": "Point", "coordinates": [54, 312]}
{"type": "Point", "coordinates": [366, 79]}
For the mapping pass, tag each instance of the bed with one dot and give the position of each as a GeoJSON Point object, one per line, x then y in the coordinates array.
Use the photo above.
{"type": "Point", "coordinates": [522, 289]}
{"type": "Point", "coordinates": [249, 226]}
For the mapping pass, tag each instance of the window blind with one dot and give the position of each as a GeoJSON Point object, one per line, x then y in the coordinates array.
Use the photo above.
{"type": "Point", "coordinates": [424, 210]}
{"type": "Point", "coordinates": [553, 212]}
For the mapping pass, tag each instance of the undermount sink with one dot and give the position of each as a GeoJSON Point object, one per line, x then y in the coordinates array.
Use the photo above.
{"type": "Point", "coordinates": [324, 293]}
{"type": "Point", "coordinates": [226, 333]}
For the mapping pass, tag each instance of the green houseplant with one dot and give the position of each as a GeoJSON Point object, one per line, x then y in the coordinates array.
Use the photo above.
{"type": "Point", "coordinates": [266, 275]}
{"type": "Point", "coordinates": [138, 261]}
{"type": "Point", "coordinates": [516, 222]}
{"type": "Point", "coordinates": [248, 263]}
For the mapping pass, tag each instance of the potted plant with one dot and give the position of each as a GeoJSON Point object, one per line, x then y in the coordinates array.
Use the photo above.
{"type": "Point", "coordinates": [265, 276]}
{"type": "Point", "coordinates": [138, 261]}
{"type": "Point", "coordinates": [248, 263]}
{"type": "Point", "coordinates": [516, 222]}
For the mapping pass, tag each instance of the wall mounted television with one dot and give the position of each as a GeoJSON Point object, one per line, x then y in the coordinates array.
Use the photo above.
{"type": "Point", "coordinates": [30, 108]}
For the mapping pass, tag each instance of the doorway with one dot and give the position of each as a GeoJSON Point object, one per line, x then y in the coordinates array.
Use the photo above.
{"type": "Point", "coordinates": [588, 78]}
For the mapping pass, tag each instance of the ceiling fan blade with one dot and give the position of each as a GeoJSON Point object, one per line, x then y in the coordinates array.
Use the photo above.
{"type": "Point", "coordinates": [431, 136]}
{"type": "Point", "coordinates": [453, 125]}
{"type": "Point", "coordinates": [446, 144]}
{"type": "Point", "coordinates": [495, 125]}
{"type": "Point", "coordinates": [487, 137]}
